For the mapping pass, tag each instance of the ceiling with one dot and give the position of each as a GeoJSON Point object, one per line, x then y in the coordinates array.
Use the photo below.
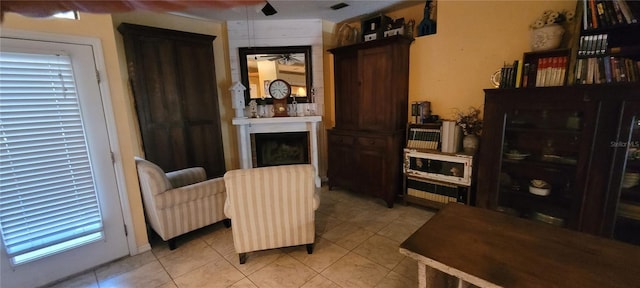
{"type": "Point", "coordinates": [300, 9]}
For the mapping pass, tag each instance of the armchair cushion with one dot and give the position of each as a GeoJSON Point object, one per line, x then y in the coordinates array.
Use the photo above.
{"type": "Point", "coordinates": [186, 176]}
{"type": "Point", "coordinates": [189, 193]}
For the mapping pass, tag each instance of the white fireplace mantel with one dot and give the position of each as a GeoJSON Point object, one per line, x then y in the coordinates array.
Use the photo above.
{"type": "Point", "coordinates": [248, 126]}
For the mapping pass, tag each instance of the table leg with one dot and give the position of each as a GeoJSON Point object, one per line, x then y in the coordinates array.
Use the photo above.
{"type": "Point", "coordinates": [463, 284]}
{"type": "Point", "coordinates": [430, 277]}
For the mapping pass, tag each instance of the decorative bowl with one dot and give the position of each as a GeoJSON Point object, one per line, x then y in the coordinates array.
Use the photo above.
{"type": "Point", "coordinates": [539, 191]}
{"type": "Point", "coordinates": [546, 218]}
{"type": "Point", "coordinates": [516, 155]}
{"type": "Point", "coordinates": [539, 183]}
{"type": "Point", "coordinates": [630, 179]}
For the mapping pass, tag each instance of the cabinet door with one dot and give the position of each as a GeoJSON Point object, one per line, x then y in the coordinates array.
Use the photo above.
{"type": "Point", "coordinates": [372, 161]}
{"type": "Point", "coordinates": [199, 96]}
{"type": "Point", "coordinates": [347, 88]}
{"type": "Point", "coordinates": [536, 163]}
{"type": "Point", "coordinates": [376, 102]}
{"type": "Point", "coordinates": [342, 164]}
{"type": "Point", "coordinates": [158, 105]}
{"type": "Point", "coordinates": [623, 208]}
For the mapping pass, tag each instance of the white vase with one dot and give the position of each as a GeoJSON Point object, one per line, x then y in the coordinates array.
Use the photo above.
{"type": "Point", "coordinates": [547, 37]}
{"type": "Point", "coordinates": [470, 144]}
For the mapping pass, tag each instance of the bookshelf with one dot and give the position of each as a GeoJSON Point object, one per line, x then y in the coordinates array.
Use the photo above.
{"type": "Point", "coordinates": [608, 48]}
{"type": "Point", "coordinates": [435, 172]}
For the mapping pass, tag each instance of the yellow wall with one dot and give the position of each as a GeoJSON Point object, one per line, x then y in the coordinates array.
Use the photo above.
{"type": "Point", "coordinates": [328, 42]}
{"type": "Point", "coordinates": [473, 40]}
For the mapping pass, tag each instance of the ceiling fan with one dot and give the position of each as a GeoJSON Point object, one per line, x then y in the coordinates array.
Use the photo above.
{"type": "Point", "coordinates": [283, 59]}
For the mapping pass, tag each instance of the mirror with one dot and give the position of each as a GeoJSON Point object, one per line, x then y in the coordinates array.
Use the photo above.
{"type": "Point", "coordinates": [261, 65]}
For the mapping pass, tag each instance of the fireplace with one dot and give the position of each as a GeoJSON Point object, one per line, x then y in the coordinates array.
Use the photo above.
{"type": "Point", "coordinates": [249, 128]}
{"type": "Point", "coordinates": [272, 149]}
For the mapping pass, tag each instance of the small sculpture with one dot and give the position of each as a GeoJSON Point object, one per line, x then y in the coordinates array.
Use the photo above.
{"type": "Point", "coordinates": [253, 109]}
{"type": "Point", "coordinates": [427, 26]}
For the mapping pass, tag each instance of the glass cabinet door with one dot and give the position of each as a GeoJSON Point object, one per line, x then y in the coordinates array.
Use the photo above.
{"type": "Point", "coordinates": [539, 164]}
{"type": "Point", "coordinates": [626, 178]}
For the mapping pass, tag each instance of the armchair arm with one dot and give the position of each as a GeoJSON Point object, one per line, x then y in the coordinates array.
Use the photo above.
{"type": "Point", "coordinates": [316, 199]}
{"type": "Point", "coordinates": [189, 193]}
{"type": "Point", "coordinates": [186, 176]}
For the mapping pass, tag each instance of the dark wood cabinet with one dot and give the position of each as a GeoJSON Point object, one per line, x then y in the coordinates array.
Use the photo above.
{"type": "Point", "coordinates": [371, 103]}
{"type": "Point", "coordinates": [172, 76]}
{"type": "Point", "coordinates": [575, 139]}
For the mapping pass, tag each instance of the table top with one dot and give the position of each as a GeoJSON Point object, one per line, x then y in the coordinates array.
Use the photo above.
{"type": "Point", "coordinates": [490, 249]}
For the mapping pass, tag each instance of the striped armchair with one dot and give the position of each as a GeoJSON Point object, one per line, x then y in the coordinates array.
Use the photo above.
{"type": "Point", "coordinates": [181, 201]}
{"type": "Point", "coordinates": [271, 207]}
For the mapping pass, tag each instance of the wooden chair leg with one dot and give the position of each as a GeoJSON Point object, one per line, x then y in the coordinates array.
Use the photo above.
{"type": "Point", "coordinates": [172, 244]}
{"type": "Point", "coordinates": [227, 222]}
{"type": "Point", "coordinates": [310, 248]}
{"type": "Point", "coordinates": [242, 257]}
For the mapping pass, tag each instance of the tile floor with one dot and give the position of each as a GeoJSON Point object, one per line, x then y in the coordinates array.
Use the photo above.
{"type": "Point", "coordinates": [356, 246]}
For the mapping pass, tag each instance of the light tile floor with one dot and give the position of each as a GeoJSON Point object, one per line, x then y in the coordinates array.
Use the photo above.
{"type": "Point", "coordinates": [357, 240]}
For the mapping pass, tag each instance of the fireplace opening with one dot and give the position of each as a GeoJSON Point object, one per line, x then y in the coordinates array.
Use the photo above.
{"type": "Point", "coordinates": [272, 149]}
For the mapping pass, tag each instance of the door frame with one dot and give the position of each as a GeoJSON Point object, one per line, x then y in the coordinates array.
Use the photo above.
{"type": "Point", "coordinates": [112, 132]}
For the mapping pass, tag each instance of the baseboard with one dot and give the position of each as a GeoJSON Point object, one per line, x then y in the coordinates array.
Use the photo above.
{"type": "Point", "coordinates": [141, 249]}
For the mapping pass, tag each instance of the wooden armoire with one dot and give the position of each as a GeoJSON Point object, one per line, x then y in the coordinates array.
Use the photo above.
{"type": "Point", "coordinates": [371, 104]}
{"type": "Point", "coordinates": [172, 76]}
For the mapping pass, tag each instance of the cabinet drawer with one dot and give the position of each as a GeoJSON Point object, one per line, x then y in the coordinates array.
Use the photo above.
{"type": "Point", "coordinates": [341, 139]}
{"type": "Point", "coordinates": [372, 142]}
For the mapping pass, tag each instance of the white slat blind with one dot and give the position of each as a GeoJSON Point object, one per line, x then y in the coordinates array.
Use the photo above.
{"type": "Point", "coordinates": [48, 201]}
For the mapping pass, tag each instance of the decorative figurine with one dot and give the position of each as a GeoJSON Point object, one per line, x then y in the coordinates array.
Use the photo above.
{"type": "Point", "coordinates": [253, 109]}
{"type": "Point", "coordinates": [428, 26]}
{"type": "Point", "coordinates": [237, 96]}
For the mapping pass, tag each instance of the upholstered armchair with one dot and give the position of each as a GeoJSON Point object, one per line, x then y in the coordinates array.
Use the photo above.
{"type": "Point", "coordinates": [271, 207]}
{"type": "Point", "coordinates": [180, 201]}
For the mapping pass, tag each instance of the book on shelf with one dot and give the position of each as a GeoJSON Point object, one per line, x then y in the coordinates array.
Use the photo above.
{"type": "Point", "coordinates": [593, 44]}
{"type": "Point", "coordinates": [519, 69]}
{"type": "Point", "coordinates": [593, 14]}
{"type": "Point", "coordinates": [600, 14]}
{"type": "Point", "coordinates": [610, 13]}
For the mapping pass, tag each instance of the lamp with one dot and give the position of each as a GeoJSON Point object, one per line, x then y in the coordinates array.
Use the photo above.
{"type": "Point", "coordinates": [302, 92]}
{"type": "Point", "coordinates": [268, 10]}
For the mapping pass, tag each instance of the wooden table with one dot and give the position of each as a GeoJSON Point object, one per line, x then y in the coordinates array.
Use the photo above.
{"type": "Point", "coordinates": [489, 249]}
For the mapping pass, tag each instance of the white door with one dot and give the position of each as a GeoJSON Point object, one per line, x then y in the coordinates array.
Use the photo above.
{"type": "Point", "coordinates": [60, 211]}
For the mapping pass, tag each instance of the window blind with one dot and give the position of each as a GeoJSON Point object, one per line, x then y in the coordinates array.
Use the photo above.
{"type": "Point", "coordinates": [48, 201]}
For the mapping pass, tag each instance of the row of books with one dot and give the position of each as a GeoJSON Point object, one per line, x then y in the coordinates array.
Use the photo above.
{"type": "Point", "coordinates": [423, 138]}
{"type": "Point", "coordinates": [446, 138]}
{"type": "Point", "coordinates": [593, 45]}
{"type": "Point", "coordinates": [607, 69]}
{"type": "Point", "coordinates": [606, 13]}
{"type": "Point", "coordinates": [548, 71]}
{"type": "Point", "coordinates": [509, 75]}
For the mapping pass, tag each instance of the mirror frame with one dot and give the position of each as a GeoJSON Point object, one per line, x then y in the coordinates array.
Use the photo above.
{"type": "Point", "coordinates": [244, 75]}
